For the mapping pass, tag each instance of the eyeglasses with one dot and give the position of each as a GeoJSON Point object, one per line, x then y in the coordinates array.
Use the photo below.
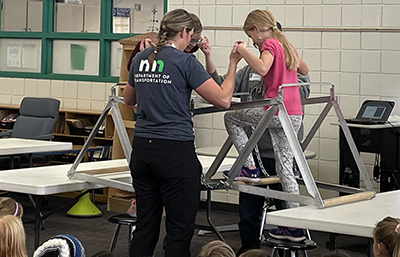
{"type": "Point", "coordinates": [195, 41]}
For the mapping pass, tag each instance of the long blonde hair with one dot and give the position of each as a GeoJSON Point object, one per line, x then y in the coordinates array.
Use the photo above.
{"type": "Point", "coordinates": [12, 237]}
{"type": "Point", "coordinates": [171, 24]}
{"type": "Point", "coordinates": [387, 233]}
{"type": "Point", "coordinates": [265, 20]}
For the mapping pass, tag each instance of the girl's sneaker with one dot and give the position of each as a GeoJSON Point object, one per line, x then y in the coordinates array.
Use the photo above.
{"type": "Point", "coordinates": [132, 209]}
{"type": "Point", "coordinates": [246, 175]}
{"type": "Point", "coordinates": [294, 235]}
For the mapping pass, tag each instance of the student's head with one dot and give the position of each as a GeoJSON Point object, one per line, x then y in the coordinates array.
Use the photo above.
{"type": "Point", "coordinates": [61, 245]}
{"type": "Point", "coordinates": [261, 25]}
{"type": "Point", "coordinates": [216, 249]}
{"type": "Point", "coordinates": [12, 237]}
{"type": "Point", "coordinates": [9, 206]}
{"type": "Point", "coordinates": [195, 40]}
{"type": "Point", "coordinates": [386, 236]}
{"type": "Point", "coordinates": [172, 23]}
{"type": "Point", "coordinates": [254, 253]}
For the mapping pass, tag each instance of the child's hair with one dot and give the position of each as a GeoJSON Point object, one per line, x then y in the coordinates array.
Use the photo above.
{"type": "Point", "coordinates": [265, 20]}
{"type": "Point", "coordinates": [387, 233]}
{"type": "Point", "coordinates": [216, 249]}
{"type": "Point", "coordinates": [12, 237]}
{"type": "Point", "coordinates": [198, 28]}
{"type": "Point", "coordinates": [9, 206]}
{"type": "Point", "coordinates": [171, 24]}
{"type": "Point", "coordinates": [254, 253]}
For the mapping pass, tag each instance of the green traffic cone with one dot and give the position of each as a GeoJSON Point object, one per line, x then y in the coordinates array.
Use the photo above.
{"type": "Point", "coordinates": [84, 208]}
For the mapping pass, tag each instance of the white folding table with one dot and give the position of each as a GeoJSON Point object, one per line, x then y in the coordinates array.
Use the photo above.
{"type": "Point", "coordinates": [48, 180]}
{"type": "Point", "coordinates": [11, 146]}
{"type": "Point", "coordinates": [18, 146]}
{"type": "Point", "coordinates": [356, 219]}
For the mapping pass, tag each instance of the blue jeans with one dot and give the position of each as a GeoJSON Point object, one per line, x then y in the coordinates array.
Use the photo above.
{"type": "Point", "coordinates": [250, 207]}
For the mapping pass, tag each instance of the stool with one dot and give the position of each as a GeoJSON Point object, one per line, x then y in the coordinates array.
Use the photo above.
{"type": "Point", "coordinates": [289, 249]}
{"type": "Point", "coordinates": [121, 219]}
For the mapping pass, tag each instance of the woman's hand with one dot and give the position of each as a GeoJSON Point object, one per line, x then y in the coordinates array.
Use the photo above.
{"type": "Point", "coordinates": [234, 55]}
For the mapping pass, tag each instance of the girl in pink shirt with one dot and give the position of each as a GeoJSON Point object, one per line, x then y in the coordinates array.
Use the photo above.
{"type": "Point", "coordinates": [277, 64]}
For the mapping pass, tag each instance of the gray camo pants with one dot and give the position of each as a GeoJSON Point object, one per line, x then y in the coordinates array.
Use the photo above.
{"type": "Point", "coordinates": [235, 121]}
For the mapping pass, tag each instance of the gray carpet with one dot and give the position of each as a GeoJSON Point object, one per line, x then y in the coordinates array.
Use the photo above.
{"type": "Point", "coordinates": [95, 233]}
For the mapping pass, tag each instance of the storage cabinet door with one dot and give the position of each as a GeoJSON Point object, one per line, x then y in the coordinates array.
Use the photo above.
{"type": "Point", "coordinates": [34, 17]}
{"type": "Point", "coordinates": [69, 17]}
{"type": "Point", "coordinates": [13, 15]}
{"type": "Point", "coordinates": [92, 19]}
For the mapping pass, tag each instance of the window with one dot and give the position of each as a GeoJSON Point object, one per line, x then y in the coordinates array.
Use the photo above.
{"type": "Point", "coordinates": [71, 39]}
{"type": "Point", "coordinates": [21, 55]}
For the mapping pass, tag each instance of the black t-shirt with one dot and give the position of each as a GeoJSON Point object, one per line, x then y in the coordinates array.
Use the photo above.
{"type": "Point", "coordinates": [163, 93]}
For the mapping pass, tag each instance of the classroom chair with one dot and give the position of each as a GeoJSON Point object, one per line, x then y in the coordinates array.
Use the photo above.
{"type": "Point", "coordinates": [121, 219]}
{"type": "Point", "coordinates": [285, 248]}
{"type": "Point", "coordinates": [36, 121]}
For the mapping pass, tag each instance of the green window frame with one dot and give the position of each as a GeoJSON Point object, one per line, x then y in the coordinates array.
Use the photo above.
{"type": "Point", "coordinates": [47, 35]}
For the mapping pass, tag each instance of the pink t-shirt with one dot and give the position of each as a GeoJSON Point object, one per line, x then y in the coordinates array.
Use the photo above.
{"type": "Point", "coordinates": [277, 75]}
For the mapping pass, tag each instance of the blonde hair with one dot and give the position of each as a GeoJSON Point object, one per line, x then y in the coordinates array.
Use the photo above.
{"type": "Point", "coordinates": [216, 249]}
{"type": "Point", "coordinates": [9, 206]}
{"type": "Point", "coordinates": [255, 253]}
{"type": "Point", "coordinates": [387, 233]}
{"type": "Point", "coordinates": [12, 237]}
{"type": "Point", "coordinates": [265, 21]}
{"type": "Point", "coordinates": [171, 24]}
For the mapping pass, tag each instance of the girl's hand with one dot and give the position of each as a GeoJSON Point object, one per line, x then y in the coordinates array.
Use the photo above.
{"type": "Point", "coordinates": [239, 45]}
{"type": "Point", "coordinates": [145, 43]}
{"type": "Point", "coordinates": [205, 46]}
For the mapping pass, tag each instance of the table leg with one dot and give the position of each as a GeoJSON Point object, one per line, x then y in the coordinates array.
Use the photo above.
{"type": "Point", "coordinates": [210, 223]}
{"type": "Point", "coordinates": [37, 228]}
{"type": "Point", "coordinates": [332, 242]}
{"type": "Point", "coordinates": [370, 247]}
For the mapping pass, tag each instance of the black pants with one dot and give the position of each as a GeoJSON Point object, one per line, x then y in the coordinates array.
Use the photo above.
{"type": "Point", "coordinates": [165, 173]}
{"type": "Point", "coordinates": [250, 207]}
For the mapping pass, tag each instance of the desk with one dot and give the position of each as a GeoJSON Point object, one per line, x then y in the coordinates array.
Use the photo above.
{"type": "Point", "coordinates": [356, 219]}
{"type": "Point", "coordinates": [380, 139]}
{"type": "Point", "coordinates": [47, 180]}
{"type": "Point", "coordinates": [18, 146]}
{"type": "Point", "coordinates": [14, 146]}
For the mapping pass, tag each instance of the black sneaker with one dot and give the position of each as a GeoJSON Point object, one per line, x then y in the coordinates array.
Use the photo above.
{"type": "Point", "coordinates": [294, 235]}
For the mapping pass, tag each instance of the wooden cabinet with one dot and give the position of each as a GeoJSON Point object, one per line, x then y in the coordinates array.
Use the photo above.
{"type": "Point", "coordinates": [21, 15]}
{"type": "Point", "coordinates": [65, 130]}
